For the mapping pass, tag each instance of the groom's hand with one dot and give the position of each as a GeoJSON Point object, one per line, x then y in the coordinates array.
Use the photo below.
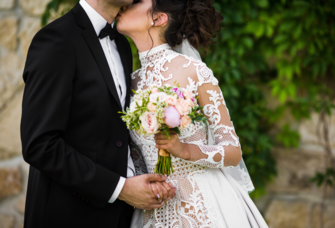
{"type": "Point", "coordinates": [137, 192]}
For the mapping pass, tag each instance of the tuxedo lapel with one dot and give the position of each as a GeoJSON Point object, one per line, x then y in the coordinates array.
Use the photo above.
{"type": "Point", "coordinates": [122, 46]}
{"type": "Point", "coordinates": [93, 42]}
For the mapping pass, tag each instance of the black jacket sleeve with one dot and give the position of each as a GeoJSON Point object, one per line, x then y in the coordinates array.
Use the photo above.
{"type": "Point", "coordinates": [48, 76]}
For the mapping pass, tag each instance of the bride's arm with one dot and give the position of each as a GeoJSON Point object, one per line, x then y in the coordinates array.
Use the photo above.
{"type": "Point", "coordinates": [225, 150]}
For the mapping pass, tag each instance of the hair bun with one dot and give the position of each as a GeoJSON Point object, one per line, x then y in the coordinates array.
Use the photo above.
{"type": "Point", "coordinates": [196, 19]}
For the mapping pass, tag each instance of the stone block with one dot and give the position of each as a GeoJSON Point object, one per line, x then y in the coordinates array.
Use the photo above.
{"type": "Point", "coordinates": [20, 204]}
{"type": "Point", "coordinates": [7, 221]}
{"type": "Point", "coordinates": [308, 131]}
{"type": "Point", "coordinates": [29, 28]}
{"type": "Point", "coordinates": [8, 31]}
{"type": "Point", "coordinates": [6, 4]}
{"type": "Point", "coordinates": [328, 216]}
{"type": "Point", "coordinates": [11, 67]}
{"type": "Point", "coordinates": [34, 7]}
{"type": "Point", "coordinates": [295, 169]}
{"type": "Point", "coordinates": [10, 143]}
{"type": "Point", "coordinates": [10, 182]}
{"type": "Point", "coordinates": [332, 131]}
{"type": "Point", "coordinates": [287, 214]}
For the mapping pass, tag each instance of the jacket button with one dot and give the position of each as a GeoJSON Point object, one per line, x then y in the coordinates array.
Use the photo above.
{"type": "Point", "coordinates": [118, 143]}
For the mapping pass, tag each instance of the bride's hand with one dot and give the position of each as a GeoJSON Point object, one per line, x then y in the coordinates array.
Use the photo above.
{"type": "Point", "coordinates": [164, 191]}
{"type": "Point", "coordinates": [173, 145]}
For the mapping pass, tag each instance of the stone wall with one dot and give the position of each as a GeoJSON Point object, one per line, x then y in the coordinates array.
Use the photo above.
{"type": "Point", "coordinates": [292, 201]}
{"type": "Point", "coordinates": [19, 21]}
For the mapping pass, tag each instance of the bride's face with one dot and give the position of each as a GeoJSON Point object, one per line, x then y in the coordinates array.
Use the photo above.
{"type": "Point", "coordinates": [136, 19]}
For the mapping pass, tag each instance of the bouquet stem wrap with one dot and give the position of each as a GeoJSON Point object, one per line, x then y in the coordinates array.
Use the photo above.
{"type": "Point", "coordinates": [164, 164]}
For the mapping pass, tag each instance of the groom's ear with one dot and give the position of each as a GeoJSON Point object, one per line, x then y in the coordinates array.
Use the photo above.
{"type": "Point", "coordinates": [161, 19]}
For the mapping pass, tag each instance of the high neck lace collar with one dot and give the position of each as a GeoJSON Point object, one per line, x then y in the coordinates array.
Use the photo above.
{"type": "Point", "coordinates": [154, 54]}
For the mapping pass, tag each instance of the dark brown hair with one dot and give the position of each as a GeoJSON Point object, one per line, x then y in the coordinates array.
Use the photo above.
{"type": "Point", "coordinates": [196, 19]}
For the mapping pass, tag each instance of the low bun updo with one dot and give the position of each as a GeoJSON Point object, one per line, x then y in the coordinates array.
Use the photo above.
{"type": "Point", "coordinates": [196, 19]}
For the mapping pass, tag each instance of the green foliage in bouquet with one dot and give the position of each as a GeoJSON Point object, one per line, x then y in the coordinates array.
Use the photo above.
{"type": "Point", "coordinates": [197, 116]}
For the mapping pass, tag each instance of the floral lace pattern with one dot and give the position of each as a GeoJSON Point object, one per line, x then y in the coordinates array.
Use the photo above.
{"type": "Point", "coordinates": [189, 208]}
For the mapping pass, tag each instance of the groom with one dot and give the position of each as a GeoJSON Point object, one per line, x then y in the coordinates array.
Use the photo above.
{"type": "Point", "coordinates": [77, 77]}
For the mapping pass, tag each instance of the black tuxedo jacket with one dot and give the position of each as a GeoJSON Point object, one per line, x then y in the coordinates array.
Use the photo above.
{"type": "Point", "coordinates": [72, 135]}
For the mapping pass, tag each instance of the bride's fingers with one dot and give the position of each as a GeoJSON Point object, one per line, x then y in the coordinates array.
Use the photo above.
{"type": "Point", "coordinates": [160, 137]}
{"type": "Point", "coordinates": [165, 137]}
{"type": "Point", "coordinates": [162, 191]}
{"type": "Point", "coordinates": [172, 195]}
{"type": "Point", "coordinates": [155, 190]}
{"type": "Point", "coordinates": [164, 146]}
{"type": "Point", "coordinates": [167, 189]}
{"type": "Point", "coordinates": [162, 142]}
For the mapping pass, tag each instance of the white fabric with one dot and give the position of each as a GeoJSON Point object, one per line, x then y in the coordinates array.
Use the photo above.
{"type": "Point", "coordinates": [185, 48]}
{"type": "Point", "coordinates": [207, 195]}
{"type": "Point", "coordinates": [115, 65]}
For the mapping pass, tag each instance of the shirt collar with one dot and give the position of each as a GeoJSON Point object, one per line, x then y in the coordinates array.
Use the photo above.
{"type": "Point", "coordinates": [96, 19]}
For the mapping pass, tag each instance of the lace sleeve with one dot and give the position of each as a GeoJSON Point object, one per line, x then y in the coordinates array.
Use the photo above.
{"type": "Point", "coordinates": [223, 148]}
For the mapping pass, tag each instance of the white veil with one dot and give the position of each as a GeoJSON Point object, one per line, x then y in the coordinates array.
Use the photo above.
{"type": "Point", "coordinates": [240, 172]}
{"type": "Point", "coordinates": [186, 48]}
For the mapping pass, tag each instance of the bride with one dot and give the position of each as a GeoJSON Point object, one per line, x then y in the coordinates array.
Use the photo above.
{"type": "Point", "coordinates": [209, 173]}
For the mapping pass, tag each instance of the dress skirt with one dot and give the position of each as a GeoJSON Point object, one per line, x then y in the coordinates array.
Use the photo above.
{"type": "Point", "coordinates": [229, 205]}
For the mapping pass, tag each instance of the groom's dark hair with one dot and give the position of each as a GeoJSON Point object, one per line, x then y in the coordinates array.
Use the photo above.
{"type": "Point", "coordinates": [197, 20]}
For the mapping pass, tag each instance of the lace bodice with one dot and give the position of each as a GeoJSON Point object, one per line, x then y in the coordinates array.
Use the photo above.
{"type": "Point", "coordinates": [161, 65]}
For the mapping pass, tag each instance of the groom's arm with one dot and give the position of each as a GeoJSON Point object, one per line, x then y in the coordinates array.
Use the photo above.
{"type": "Point", "coordinates": [48, 75]}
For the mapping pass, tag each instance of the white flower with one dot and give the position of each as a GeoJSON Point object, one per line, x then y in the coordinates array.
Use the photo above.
{"type": "Point", "coordinates": [160, 96]}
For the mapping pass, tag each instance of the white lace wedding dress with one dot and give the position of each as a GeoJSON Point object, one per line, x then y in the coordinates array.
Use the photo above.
{"type": "Point", "coordinates": [208, 193]}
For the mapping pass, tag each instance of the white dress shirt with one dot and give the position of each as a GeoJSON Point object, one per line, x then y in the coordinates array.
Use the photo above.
{"type": "Point", "coordinates": [114, 61]}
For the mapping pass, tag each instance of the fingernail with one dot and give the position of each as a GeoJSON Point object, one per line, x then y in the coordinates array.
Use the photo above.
{"type": "Point", "coordinates": [163, 202]}
{"type": "Point", "coordinates": [158, 196]}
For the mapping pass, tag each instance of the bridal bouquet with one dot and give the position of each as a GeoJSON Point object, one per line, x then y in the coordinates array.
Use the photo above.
{"type": "Point", "coordinates": [161, 109]}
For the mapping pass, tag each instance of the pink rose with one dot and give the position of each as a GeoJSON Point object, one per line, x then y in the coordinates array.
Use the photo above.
{"type": "Point", "coordinates": [185, 121]}
{"type": "Point", "coordinates": [154, 90]}
{"type": "Point", "coordinates": [149, 122]}
{"type": "Point", "coordinates": [172, 117]}
{"type": "Point", "coordinates": [188, 94]}
{"type": "Point", "coordinates": [160, 96]}
{"type": "Point", "coordinates": [171, 100]}
{"type": "Point", "coordinates": [184, 107]}
{"type": "Point", "coordinates": [151, 107]}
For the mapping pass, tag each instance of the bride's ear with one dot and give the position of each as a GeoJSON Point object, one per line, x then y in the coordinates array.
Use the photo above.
{"type": "Point", "coordinates": [160, 19]}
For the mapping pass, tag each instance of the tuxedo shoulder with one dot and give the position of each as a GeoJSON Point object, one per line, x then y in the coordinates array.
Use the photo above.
{"type": "Point", "coordinates": [65, 24]}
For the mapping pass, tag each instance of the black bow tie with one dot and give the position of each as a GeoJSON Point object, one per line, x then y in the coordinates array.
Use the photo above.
{"type": "Point", "coordinates": [108, 31]}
